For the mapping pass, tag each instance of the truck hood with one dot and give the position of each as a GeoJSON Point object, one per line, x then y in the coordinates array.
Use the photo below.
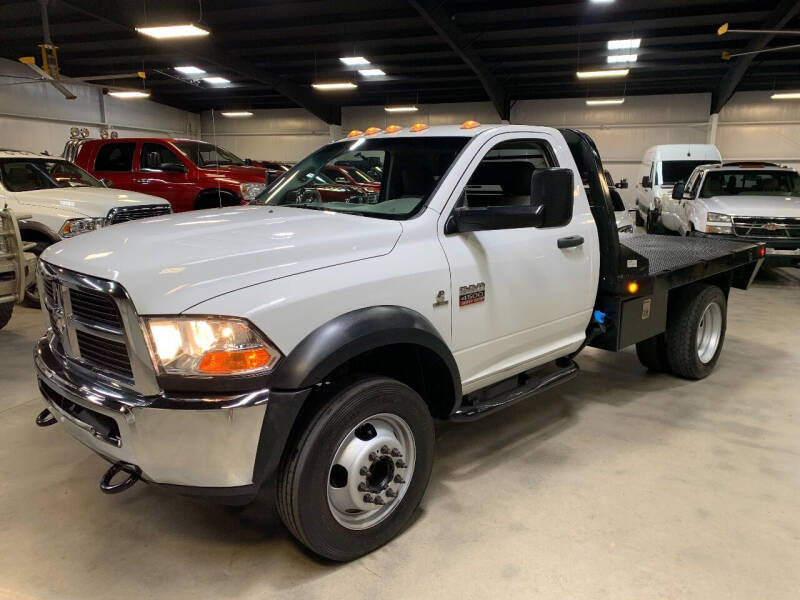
{"type": "Point", "coordinates": [86, 201]}
{"type": "Point", "coordinates": [755, 206]}
{"type": "Point", "coordinates": [168, 264]}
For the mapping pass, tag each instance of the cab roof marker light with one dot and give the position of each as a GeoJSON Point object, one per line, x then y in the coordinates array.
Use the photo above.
{"type": "Point", "coordinates": [372, 130]}
{"type": "Point", "coordinates": [604, 73]}
{"type": "Point", "coordinates": [392, 129]}
{"type": "Point", "coordinates": [470, 124]}
{"type": "Point", "coordinates": [417, 127]}
{"type": "Point", "coordinates": [354, 133]}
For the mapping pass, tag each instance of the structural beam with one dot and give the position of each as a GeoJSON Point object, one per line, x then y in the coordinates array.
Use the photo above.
{"type": "Point", "coordinates": [449, 32]}
{"type": "Point", "coordinates": [211, 54]}
{"type": "Point", "coordinates": [777, 19]}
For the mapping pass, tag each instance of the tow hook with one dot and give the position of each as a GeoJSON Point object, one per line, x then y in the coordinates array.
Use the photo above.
{"type": "Point", "coordinates": [134, 474]}
{"type": "Point", "coordinates": [45, 419]}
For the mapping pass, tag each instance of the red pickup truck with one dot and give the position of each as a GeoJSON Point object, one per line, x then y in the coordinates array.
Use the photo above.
{"type": "Point", "coordinates": [190, 174]}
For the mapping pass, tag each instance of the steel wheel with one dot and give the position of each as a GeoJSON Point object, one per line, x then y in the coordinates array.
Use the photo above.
{"type": "Point", "coordinates": [370, 471]}
{"type": "Point", "coordinates": [709, 332]}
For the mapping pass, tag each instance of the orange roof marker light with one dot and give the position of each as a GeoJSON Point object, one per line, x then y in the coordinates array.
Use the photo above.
{"type": "Point", "coordinates": [372, 130]}
{"type": "Point", "coordinates": [392, 129]}
{"type": "Point", "coordinates": [354, 133]}
{"type": "Point", "coordinates": [417, 127]}
{"type": "Point", "coordinates": [469, 124]}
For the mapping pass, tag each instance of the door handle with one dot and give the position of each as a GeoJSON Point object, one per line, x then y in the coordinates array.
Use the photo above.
{"type": "Point", "coordinates": [570, 241]}
{"type": "Point", "coordinates": [142, 181]}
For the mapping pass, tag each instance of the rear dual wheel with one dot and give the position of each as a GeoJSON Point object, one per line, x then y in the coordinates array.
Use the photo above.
{"type": "Point", "coordinates": [355, 475]}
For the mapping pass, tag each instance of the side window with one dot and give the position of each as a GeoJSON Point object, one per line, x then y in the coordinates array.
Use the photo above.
{"type": "Point", "coordinates": [693, 184]}
{"type": "Point", "coordinates": [503, 177]}
{"type": "Point", "coordinates": [115, 157]}
{"type": "Point", "coordinates": [156, 155]}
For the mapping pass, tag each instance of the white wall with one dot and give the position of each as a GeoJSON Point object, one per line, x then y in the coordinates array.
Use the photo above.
{"type": "Point", "coordinates": [36, 117]}
{"type": "Point", "coordinates": [286, 134]}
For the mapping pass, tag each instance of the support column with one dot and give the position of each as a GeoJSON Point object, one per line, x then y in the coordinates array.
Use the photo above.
{"type": "Point", "coordinates": [712, 129]}
{"type": "Point", "coordinates": [334, 132]}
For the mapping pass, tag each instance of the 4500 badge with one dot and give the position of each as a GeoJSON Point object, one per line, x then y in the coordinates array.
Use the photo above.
{"type": "Point", "coordinates": [471, 294]}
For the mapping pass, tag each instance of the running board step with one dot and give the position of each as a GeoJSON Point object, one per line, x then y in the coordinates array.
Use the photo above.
{"type": "Point", "coordinates": [523, 387]}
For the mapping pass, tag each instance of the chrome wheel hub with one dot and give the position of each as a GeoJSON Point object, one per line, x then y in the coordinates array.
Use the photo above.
{"type": "Point", "coordinates": [709, 332]}
{"type": "Point", "coordinates": [370, 471]}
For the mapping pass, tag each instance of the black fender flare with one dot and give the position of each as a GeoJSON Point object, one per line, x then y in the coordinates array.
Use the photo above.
{"type": "Point", "coordinates": [353, 333]}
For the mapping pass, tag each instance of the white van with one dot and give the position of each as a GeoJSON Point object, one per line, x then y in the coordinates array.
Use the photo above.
{"type": "Point", "coordinates": [662, 167]}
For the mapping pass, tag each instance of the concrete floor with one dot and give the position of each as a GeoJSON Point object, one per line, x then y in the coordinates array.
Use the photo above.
{"type": "Point", "coordinates": [619, 484]}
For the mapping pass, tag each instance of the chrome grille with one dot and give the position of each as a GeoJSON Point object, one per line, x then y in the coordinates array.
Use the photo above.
{"type": "Point", "coordinates": [122, 214]}
{"type": "Point", "coordinates": [110, 355]}
{"type": "Point", "coordinates": [95, 307]}
{"type": "Point", "coordinates": [767, 227]}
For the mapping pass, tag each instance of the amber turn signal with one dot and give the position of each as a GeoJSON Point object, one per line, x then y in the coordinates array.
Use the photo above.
{"type": "Point", "coordinates": [234, 361]}
{"type": "Point", "coordinates": [633, 287]}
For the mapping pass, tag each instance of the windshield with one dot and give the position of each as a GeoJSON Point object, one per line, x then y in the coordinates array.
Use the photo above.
{"type": "Point", "coordinates": [751, 183]}
{"type": "Point", "coordinates": [28, 174]}
{"type": "Point", "coordinates": [409, 170]}
{"type": "Point", "coordinates": [673, 171]}
{"type": "Point", "coordinates": [204, 154]}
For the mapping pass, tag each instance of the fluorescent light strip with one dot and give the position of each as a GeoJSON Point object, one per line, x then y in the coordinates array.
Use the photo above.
{"type": "Point", "coordinates": [604, 101]}
{"type": "Point", "coordinates": [234, 114]}
{"type": "Point", "coordinates": [371, 72]}
{"type": "Point", "coordinates": [334, 86]}
{"type": "Point", "coordinates": [786, 96]}
{"type": "Point", "coordinates": [354, 61]}
{"type": "Point", "coordinates": [624, 44]}
{"type": "Point", "coordinates": [128, 94]}
{"type": "Point", "coordinates": [622, 58]}
{"type": "Point", "coordinates": [189, 70]}
{"type": "Point", "coordinates": [400, 109]}
{"type": "Point", "coordinates": [601, 1]}
{"type": "Point", "coordinates": [606, 73]}
{"type": "Point", "coordinates": [216, 80]}
{"type": "Point", "coordinates": [173, 31]}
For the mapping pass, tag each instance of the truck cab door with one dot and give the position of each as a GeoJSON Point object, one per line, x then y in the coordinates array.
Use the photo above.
{"type": "Point", "coordinates": [114, 161]}
{"type": "Point", "coordinates": [520, 296]}
{"type": "Point", "coordinates": [162, 173]}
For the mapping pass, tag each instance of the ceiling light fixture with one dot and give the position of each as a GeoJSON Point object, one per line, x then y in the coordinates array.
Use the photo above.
{"type": "Point", "coordinates": [173, 31]}
{"type": "Point", "coordinates": [216, 80]}
{"type": "Point", "coordinates": [129, 94]}
{"type": "Point", "coordinates": [371, 72]}
{"type": "Point", "coordinates": [606, 73]}
{"type": "Point", "coordinates": [234, 114]}
{"type": "Point", "coordinates": [400, 109]}
{"type": "Point", "coordinates": [622, 58]}
{"type": "Point", "coordinates": [624, 44]}
{"type": "Point", "coordinates": [604, 101]}
{"type": "Point", "coordinates": [354, 61]}
{"type": "Point", "coordinates": [189, 70]}
{"type": "Point", "coordinates": [601, 1]}
{"type": "Point", "coordinates": [786, 96]}
{"type": "Point", "coordinates": [334, 86]}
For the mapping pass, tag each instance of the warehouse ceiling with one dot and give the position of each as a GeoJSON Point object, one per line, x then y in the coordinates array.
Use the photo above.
{"type": "Point", "coordinates": [431, 51]}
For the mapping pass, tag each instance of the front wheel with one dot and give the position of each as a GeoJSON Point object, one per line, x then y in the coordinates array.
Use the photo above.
{"type": "Point", "coordinates": [353, 478]}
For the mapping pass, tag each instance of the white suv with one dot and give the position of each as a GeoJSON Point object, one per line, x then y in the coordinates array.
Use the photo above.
{"type": "Point", "coordinates": [63, 200]}
{"type": "Point", "coordinates": [756, 201]}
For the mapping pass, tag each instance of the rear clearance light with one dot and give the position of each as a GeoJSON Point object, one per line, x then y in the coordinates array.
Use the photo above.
{"type": "Point", "coordinates": [762, 251]}
{"type": "Point", "coordinates": [392, 129]}
{"type": "Point", "coordinates": [469, 124]}
{"type": "Point", "coordinates": [417, 127]}
{"type": "Point", "coordinates": [633, 287]}
{"type": "Point", "coordinates": [372, 130]}
{"type": "Point", "coordinates": [354, 133]}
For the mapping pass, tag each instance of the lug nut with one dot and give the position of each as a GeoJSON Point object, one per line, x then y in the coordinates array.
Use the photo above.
{"type": "Point", "coordinates": [384, 449]}
{"type": "Point", "coordinates": [396, 452]}
{"type": "Point", "coordinates": [378, 500]}
{"type": "Point", "coordinates": [391, 493]}
{"type": "Point", "coordinates": [367, 497]}
{"type": "Point", "coordinates": [364, 471]}
{"type": "Point", "coordinates": [400, 464]}
{"type": "Point", "coordinates": [373, 457]}
{"type": "Point", "coordinates": [362, 487]}
{"type": "Point", "coordinates": [398, 479]}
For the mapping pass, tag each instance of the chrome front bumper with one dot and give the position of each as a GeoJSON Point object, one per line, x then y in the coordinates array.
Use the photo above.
{"type": "Point", "coordinates": [183, 441]}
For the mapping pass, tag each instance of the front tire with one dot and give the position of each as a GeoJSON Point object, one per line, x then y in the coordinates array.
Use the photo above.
{"type": "Point", "coordinates": [32, 299]}
{"type": "Point", "coordinates": [5, 313]}
{"type": "Point", "coordinates": [351, 481]}
{"type": "Point", "coordinates": [696, 331]}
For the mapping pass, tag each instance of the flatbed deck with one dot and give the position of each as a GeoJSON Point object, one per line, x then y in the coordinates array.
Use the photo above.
{"type": "Point", "coordinates": [666, 253]}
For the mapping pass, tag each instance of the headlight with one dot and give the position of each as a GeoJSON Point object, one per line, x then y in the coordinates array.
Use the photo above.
{"type": "Point", "coordinates": [718, 223]}
{"type": "Point", "coordinates": [73, 227]}
{"type": "Point", "coordinates": [208, 346]}
{"type": "Point", "coordinates": [251, 190]}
